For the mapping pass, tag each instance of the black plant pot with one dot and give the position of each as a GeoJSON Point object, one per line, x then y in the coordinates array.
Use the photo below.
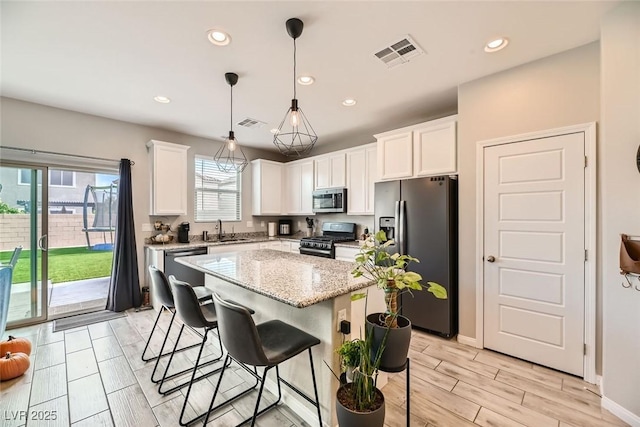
{"type": "Point", "coordinates": [396, 348]}
{"type": "Point", "coordinates": [350, 418]}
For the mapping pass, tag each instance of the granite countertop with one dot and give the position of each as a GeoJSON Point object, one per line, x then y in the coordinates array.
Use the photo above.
{"type": "Point", "coordinates": [294, 279]}
{"type": "Point", "coordinates": [202, 243]}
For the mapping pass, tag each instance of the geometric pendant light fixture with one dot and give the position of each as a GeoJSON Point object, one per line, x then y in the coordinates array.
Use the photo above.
{"type": "Point", "coordinates": [230, 157]}
{"type": "Point", "coordinates": [295, 137]}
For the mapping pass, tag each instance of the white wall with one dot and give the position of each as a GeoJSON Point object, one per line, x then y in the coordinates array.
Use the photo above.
{"type": "Point", "coordinates": [620, 189]}
{"type": "Point", "coordinates": [556, 91]}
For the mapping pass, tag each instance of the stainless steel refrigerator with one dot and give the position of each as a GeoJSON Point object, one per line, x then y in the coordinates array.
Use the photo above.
{"type": "Point", "coordinates": [421, 215]}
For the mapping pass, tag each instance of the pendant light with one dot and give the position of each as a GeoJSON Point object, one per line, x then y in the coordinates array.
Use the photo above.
{"type": "Point", "coordinates": [295, 137]}
{"type": "Point", "coordinates": [230, 157]}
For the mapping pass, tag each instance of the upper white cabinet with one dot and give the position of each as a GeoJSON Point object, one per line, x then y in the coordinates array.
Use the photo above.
{"type": "Point", "coordinates": [168, 178]}
{"type": "Point", "coordinates": [420, 150]}
{"type": "Point", "coordinates": [434, 149]}
{"type": "Point", "coordinates": [330, 171]}
{"type": "Point", "coordinates": [298, 187]}
{"type": "Point", "coordinates": [267, 186]}
{"type": "Point", "coordinates": [395, 155]}
{"type": "Point", "coordinates": [361, 177]}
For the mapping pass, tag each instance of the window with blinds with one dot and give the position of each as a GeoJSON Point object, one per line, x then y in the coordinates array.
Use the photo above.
{"type": "Point", "coordinates": [217, 193]}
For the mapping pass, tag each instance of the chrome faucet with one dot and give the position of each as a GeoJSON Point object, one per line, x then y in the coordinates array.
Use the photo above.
{"type": "Point", "coordinates": [219, 227]}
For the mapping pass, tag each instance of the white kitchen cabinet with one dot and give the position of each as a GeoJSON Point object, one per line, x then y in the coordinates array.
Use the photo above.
{"type": "Point", "coordinates": [434, 149]}
{"type": "Point", "coordinates": [299, 185]}
{"type": "Point", "coordinates": [240, 247]}
{"type": "Point", "coordinates": [168, 178]}
{"type": "Point", "coordinates": [267, 187]}
{"type": "Point", "coordinates": [275, 245]}
{"type": "Point", "coordinates": [346, 254]}
{"type": "Point", "coordinates": [294, 247]}
{"type": "Point", "coordinates": [425, 149]}
{"type": "Point", "coordinates": [361, 177]}
{"type": "Point", "coordinates": [395, 155]}
{"type": "Point", "coordinates": [330, 171]}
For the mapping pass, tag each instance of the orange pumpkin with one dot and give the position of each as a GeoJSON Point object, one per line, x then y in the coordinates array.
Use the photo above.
{"type": "Point", "coordinates": [15, 345]}
{"type": "Point", "coordinates": [12, 365]}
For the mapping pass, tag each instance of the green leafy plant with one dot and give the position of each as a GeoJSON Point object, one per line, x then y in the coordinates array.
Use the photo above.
{"type": "Point", "coordinates": [361, 394]}
{"type": "Point", "coordinates": [349, 353]}
{"type": "Point", "coordinates": [6, 209]}
{"type": "Point", "coordinates": [391, 274]}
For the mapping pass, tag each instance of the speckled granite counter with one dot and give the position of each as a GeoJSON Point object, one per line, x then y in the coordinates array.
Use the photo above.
{"type": "Point", "coordinates": [297, 280]}
{"type": "Point", "coordinates": [202, 243]}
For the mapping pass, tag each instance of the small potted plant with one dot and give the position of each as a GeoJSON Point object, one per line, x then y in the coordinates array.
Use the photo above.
{"type": "Point", "coordinates": [360, 402]}
{"type": "Point", "coordinates": [391, 274]}
{"type": "Point", "coordinates": [349, 353]}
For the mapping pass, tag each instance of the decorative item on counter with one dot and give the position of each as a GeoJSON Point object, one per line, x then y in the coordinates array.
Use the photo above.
{"type": "Point", "coordinates": [205, 235]}
{"type": "Point", "coordinates": [365, 234]}
{"type": "Point", "coordinates": [309, 226]}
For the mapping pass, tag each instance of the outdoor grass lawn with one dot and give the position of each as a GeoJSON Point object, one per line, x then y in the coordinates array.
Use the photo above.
{"type": "Point", "coordinates": [65, 264]}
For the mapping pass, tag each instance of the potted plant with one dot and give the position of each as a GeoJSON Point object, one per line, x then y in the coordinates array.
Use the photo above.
{"type": "Point", "coordinates": [391, 274]}
{"type": "Point", "coordinates": [359, 402]}
{"type": "Point", "coordinates": [349, 353]}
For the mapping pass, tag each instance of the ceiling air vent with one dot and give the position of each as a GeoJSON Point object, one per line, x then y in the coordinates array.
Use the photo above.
{"type": "Point", "coordinates": [399, 52]}
{"type": "Point", "coordinates": [251, 123]}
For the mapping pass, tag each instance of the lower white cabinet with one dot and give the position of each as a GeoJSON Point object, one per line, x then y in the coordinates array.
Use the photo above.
{"type": "Point", "coordinates": [276, 245]}
{"type": "Point", "coordinates": [346, 254]}
{"type": "Point", "coordinates": [241, 247]}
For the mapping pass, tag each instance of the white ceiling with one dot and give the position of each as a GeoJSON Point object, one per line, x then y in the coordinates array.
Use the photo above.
{"type": "Point", "coordinates": [111, 58]}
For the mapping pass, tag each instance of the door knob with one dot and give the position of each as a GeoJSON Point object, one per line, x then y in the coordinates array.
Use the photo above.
{"type": "Point", "coordinates": [491, 258]}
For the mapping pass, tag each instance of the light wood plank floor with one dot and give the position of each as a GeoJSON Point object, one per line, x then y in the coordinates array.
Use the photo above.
{"type": "Point", "coordinates": [93, 376]}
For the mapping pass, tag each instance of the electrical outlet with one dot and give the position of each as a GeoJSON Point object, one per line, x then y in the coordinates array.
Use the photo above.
{"type": "Point", "coordinates": [342, 315]}
{"type": "Point", "coordinates": [299, 225]}
{"type": "Point", "coordinates": [261, 223]}
{"type": "Point", "coordinates": [146, 227]}
{"type": "Point", "coordinates": [249, 224]}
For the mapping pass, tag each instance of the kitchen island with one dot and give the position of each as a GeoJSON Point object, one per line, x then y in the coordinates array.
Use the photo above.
{"type": "Point", "coordinates": [305, 291]}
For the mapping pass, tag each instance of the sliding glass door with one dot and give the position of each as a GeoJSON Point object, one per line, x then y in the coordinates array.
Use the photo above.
{"type": "Point", "coordinates": [23, 223]}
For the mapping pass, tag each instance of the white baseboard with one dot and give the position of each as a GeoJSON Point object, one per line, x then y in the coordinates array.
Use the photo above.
{"type": "Point", "coordinates": [467, 341]}
{"type": "Point", "coordinates": [624, 414]}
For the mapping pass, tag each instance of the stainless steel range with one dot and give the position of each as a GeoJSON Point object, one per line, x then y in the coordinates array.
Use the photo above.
{"type": "Point", "coordinates": [332, 232]}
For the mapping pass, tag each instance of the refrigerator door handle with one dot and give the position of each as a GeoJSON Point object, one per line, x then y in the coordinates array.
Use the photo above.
{"type": "Point", "coordinates": [401, 230]}
{"type": "Point", "coordinates": [397, 235]}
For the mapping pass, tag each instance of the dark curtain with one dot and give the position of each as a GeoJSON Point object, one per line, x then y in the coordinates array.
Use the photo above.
{"type": "Point", "coordinates": [124, 286]}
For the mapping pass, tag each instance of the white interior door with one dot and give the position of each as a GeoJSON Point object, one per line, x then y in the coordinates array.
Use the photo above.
{"type": "Point", "coordinates": [534, 250]}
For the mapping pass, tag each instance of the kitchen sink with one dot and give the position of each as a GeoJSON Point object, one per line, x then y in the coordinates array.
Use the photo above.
{"type": "Point", "coordinates": [233, 239]}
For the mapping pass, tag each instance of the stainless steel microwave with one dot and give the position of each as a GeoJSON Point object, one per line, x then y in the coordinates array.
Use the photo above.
{"type": "Point", "coordinates": [330, 200]}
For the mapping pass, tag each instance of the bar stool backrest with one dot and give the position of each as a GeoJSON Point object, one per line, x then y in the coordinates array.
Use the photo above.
{"type": "Point", "coordinates": [238, 333]}
{"type": "Point", "coordinates": [160, 287]}
{"type": "Point", "coordinates": [15, 256]}
{"type": "Point", "coordinates": [187, 304]}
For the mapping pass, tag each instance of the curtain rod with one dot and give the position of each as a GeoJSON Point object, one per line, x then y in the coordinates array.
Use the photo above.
{"type": "Point", "coordinates": [79, 156]}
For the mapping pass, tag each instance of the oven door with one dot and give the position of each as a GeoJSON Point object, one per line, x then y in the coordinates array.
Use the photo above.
{"type": "Point", "coordinates": [324, 253]}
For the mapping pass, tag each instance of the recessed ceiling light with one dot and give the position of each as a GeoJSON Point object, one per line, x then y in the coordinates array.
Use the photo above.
{"type": "Point", "coordinates": [306, 80]}
{"type": "Point", "coordinates": [496, 45]}
{"type": "Point", "coordinates": [161, 99]}
{"type": "Point", "coordinates": [218, 37]}
{"type": "Point", "coordinates": [275, 130]}
{"type": "Point", "coordinates": [349, 102]}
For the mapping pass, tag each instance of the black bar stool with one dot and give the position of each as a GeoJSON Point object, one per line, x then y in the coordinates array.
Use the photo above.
{"type": "Point", "coordinates": [195, 315]}
{"type": "Point", "coordinates": [267, 345]}
{"type": "Point", "coordinates": [160, 287]}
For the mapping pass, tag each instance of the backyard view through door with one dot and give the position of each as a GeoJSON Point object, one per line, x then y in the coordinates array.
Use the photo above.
{"type": "Point", "coordinates": [80, 208]}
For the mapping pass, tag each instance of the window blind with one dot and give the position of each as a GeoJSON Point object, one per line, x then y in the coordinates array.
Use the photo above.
{"type": "Point", "coordinates": [217, 193]}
